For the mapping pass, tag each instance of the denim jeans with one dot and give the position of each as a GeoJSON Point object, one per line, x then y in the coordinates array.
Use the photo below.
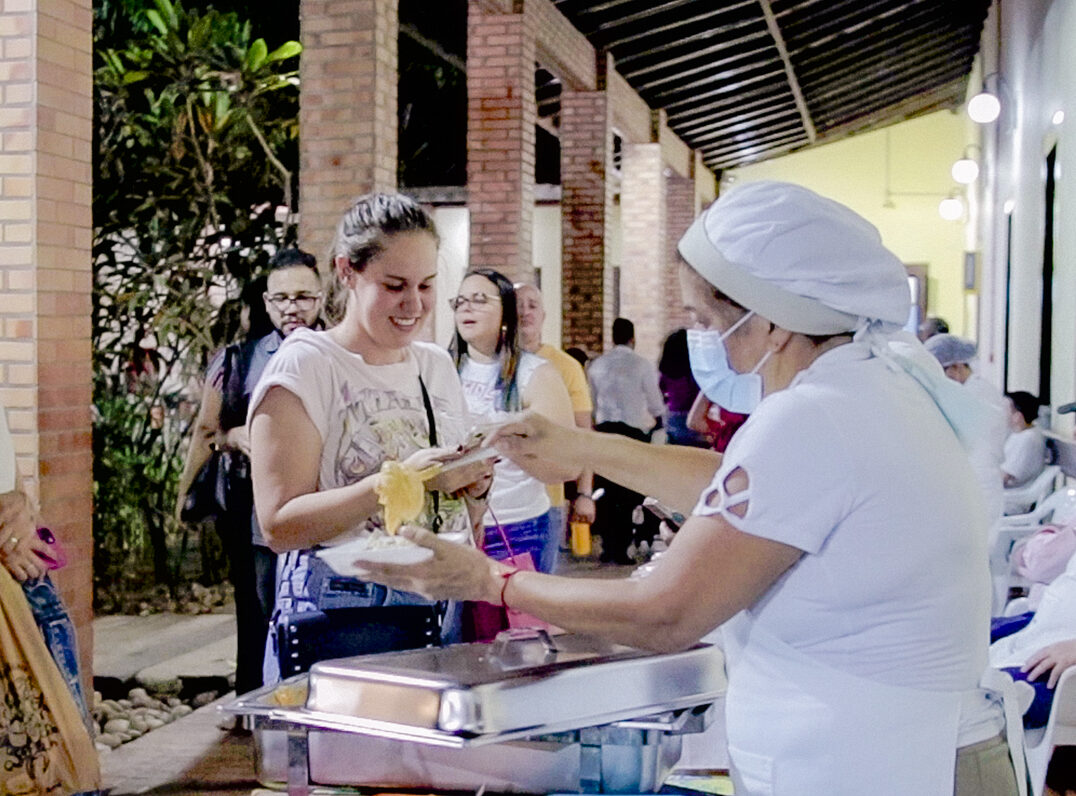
{"type": "Point", "coordinates": [59, 633]}
{"type": "Point", "coordinates": [307, 583]}
{"type": "Point", "coordinates": [534, 536]}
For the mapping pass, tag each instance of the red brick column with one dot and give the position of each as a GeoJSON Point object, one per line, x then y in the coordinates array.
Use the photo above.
{"type": "Point", "coordinates": [347, 110]}
{"type": "Point", "coordinates": [679, 213]}
{"type": "Point", "coordinates": [586, 201]}
{"type": "Point", "coordinates": [643, 278]}
{"type": "Point", "coordinates": [501, 113]}
{"type": "Point", "coordinates": [46, 117]}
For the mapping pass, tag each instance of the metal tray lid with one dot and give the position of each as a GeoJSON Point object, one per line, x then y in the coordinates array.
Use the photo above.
{"type": "Point", "coordinates": [523, 680]}
{"type": "Point", "coordinates": [515, 654]}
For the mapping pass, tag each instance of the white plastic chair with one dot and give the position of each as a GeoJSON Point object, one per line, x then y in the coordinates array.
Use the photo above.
{"type": "Point", "coordinates": [1021, 499]}
{"type": "Point", "coordinates": [1060, 730]}
{"type": "Point", "coordinates": [1058, 508]}
{"type": "Point", "coordinates": [1001, 573]}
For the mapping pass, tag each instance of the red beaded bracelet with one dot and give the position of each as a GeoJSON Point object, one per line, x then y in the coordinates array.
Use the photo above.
{"type": "Point", "coordinates": [506, 576]}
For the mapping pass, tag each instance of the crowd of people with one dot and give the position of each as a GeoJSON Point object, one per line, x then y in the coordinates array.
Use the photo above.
{"type": "Point", "coordinates": [839, 482]}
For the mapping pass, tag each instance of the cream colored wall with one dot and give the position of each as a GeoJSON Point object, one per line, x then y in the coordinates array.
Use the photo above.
{"type": "Point", "coordinates": [894, 177]}
{"type": "Point", "coordinates": [454, 229]}
{"type": "Point", "coordinates": [547, 257]}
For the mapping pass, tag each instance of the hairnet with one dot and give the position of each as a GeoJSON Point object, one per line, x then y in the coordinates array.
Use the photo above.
{"type": "Point", "coordinates": [807, 263]}
{"type": "Point", "coordinates": [949, 349]}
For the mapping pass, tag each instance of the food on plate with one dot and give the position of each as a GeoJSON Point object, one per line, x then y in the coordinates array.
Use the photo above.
{"type": "Point", "coordinates": [289, 695]}
{"type": "Point", "coordinates": [401, 492]}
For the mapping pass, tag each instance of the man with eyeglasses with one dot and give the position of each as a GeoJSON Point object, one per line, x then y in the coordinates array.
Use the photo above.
{"type": "Point", "coordinates": [293, 300]}
{"type": "Point", "coordinates": [531, 312]}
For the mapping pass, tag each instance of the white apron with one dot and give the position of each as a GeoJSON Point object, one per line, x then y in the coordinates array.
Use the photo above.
{"type": "Point", "coordinates": [796, 726]}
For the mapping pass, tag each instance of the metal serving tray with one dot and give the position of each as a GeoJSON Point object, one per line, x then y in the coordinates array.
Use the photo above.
{"type": "Point", "coordinates": [524, 682]}
{"type": "Point", "coordinates": [527, 714]}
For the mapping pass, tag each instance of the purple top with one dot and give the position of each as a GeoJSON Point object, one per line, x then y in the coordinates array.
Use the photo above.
{"type": "Point", "coordinates": [679, 393]}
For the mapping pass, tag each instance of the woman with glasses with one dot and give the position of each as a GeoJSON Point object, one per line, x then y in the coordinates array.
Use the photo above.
{"type": "Point", "coordinates": [334, 405]}
{"type": "Point", "coordinates": [499, 377]}
{"type": "Point", "coordinates": [292, 300]}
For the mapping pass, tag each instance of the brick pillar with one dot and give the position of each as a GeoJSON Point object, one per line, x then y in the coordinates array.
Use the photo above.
{"type": "Point", "coordinates": [586, 200]}
{"type": "Point", "coordinates": [347, 110]}
{"type": "Point", "coordinates": [46, 118]}
{"type": "Point", "coordinates": [679, 213]}
{"type": "Point", "coordinates": [643, 229]}
{"type": "Point", "coordinates": [501, 114]}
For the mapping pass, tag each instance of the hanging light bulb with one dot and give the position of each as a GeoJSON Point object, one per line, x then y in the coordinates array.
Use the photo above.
{"type": "Point", "coordinates": [951, 208]}
{"type": "Point", "coordinates": [965, 171]}
{"type": "Point", "coordinates": [984, 107]}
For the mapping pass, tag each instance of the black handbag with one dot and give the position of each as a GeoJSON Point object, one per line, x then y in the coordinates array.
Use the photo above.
{"type": "Point", "coordinates": [222, 485]}
{"type": "Point", "coordinates": [304, 638]}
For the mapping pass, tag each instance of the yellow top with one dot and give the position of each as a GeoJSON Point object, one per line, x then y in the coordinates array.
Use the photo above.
{"type": "Point", "coordinates": [575, 379]}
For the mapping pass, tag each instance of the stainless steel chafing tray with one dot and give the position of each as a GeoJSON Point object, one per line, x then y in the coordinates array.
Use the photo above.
{"type": "Point", "coordinates": [525, 714]}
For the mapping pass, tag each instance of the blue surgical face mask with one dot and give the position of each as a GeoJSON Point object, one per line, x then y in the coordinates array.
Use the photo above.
{"type": "Point", "coordinates": [724, 386]}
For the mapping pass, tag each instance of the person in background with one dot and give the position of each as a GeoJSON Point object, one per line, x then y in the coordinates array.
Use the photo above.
{"type": "Point", "coordinates": [332, 406]}
{"type": "Point", "coordinates": [499, 377]}
{"type": "Point", "coordinates": [579, 355]}
{"type": "Point", "coordinates": [847, 485]}
{"type": "Point", "coordinates": [1025, 447]}
{"type": "Point", "coordinates": [46, 719]}
{"type": "Point", "coordinates": [20, 546]}
{"type": "Point", "coordinates": [716, 422]}
{"type": "Point", "coordinates": [628, 402]}
{"type": "Point", "coordinates": [680, 391]}
{"type": "Point", "coordinates": [531, 310]}
{"type": "Point", "coordinates": [292, 300]}
{"type": "Point", "coordinates": [931, 326]}
{"type": "Point", "coordinates": [955, 355]}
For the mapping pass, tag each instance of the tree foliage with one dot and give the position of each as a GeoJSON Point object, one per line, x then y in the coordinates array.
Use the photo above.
{"type": "Point", "coordinates": [196, 126]}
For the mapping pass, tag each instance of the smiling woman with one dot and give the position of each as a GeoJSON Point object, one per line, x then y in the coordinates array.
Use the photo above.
{"type": "Point", "coordinates": [334, 406]}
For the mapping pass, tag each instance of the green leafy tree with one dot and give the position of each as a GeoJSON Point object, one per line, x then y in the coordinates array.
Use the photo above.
{"type": "Point", "coordinates": [196, 126]}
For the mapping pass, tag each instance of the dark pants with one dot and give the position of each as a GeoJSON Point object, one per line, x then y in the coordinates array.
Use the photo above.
{"type": "Point", "coordinates": [252, 571]}
{"type": "Point", "coordinates": [613, 522]}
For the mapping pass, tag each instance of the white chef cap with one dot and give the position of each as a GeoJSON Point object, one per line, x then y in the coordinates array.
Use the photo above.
{"type": "Point", "coordinates": [807, 263]}
{"type": "Point", "coordinates": [949, 349]}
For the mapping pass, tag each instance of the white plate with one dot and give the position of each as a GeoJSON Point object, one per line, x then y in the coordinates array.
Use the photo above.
{"type": "Point", "coordinates": [345, 559]}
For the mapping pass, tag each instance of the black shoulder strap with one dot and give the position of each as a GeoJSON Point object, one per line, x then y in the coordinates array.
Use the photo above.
{"type": "Point", "coordinates": [432, 423]}
{"type": "Point", "coordinates": [232, 388]}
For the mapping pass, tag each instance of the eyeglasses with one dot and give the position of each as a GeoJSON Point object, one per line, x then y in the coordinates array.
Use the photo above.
{"type": "Point", "coordinates": [475, 300]}
{"type": "Point", "coordinates": [302, 301]}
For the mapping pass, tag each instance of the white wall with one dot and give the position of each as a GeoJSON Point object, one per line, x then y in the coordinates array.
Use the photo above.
{"type": "Point", "coordinates": [1038, 68]}
{"type": "Point", "coordinates": [547, 257]}
{"type": "Point", "coordinates": [454, 228]}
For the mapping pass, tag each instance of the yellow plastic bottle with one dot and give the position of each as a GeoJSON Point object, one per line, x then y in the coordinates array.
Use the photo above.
{"type": "Point", "coordinates": [581, 545]}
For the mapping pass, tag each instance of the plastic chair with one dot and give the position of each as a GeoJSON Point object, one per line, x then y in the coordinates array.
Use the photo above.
{"type": "Point", "coordinates": [1001, 563]}
{"type": "Point", "coordinates": [1058, 508]}
{"type": "Point", "coordinates": [1022, 499]}
{"type": "Point", "coordinates": [1060, 730]}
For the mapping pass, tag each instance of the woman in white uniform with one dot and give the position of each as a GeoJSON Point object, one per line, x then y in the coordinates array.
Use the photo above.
{"type": "Point", "coordinates": [852, 584]}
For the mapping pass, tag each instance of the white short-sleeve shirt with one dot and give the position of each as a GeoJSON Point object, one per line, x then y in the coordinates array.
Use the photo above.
{"type": "Point", "coordinates": [516, 495]}
{"type": "Point", "coordinates": [7, 456]}
{"type": "Point", "coordinates": [854, 465]}
{"type": "Point", "coordinates": [366, 414]}
{"type": "Point", "coordinates": [1025, 455]}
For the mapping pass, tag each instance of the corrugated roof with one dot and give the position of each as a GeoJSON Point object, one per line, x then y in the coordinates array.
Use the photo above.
{"type": "Point", "coordinates": [745, 80]}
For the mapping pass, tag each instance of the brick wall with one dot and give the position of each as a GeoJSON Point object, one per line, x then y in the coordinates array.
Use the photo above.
{"type": "Point", "coordinates": [679, 213]}
{"type": "Point", "coordinates": [501, 113]}
{"type": "Point", "coordinates": [347, 110]}
{"type": "Point", "coordinates": [586, 199]}
{"type": "Point", "coordinates": [643, 282]}
{"type": "Point", "coordinates": [46, 117]}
